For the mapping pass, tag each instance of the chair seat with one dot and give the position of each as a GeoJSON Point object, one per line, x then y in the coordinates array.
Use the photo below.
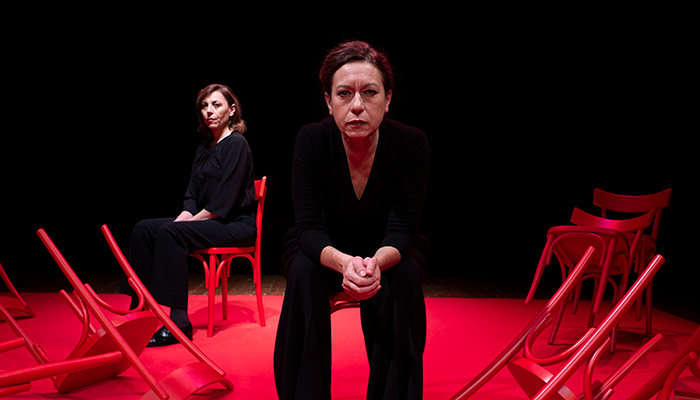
{"type": "Point", "coordinates": [532, 377]}
{"type": "Point", "coordinates": [341, 301]}
{"type": "Point", "coordinates": [226, 250]}
{"type": "Point", "coordinates": [136, 329]}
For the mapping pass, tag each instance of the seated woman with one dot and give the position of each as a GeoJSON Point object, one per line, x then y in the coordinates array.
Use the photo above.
{"type": "Point", "coordinates": [219, 210]}
{"type": "Point", "coordinates": [358, 185]}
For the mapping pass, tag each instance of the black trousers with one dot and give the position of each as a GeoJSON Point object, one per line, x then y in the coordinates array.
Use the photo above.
{"type": "Point", "coordinates": [393, 324]}
{"type": "Point", "coordinates": [160, 248]}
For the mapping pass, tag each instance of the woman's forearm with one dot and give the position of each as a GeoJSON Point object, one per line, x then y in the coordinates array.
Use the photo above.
{"type": "Point", "coordinates": [387, 257]}
{"type": "Point", "coordinates": [334, 259]}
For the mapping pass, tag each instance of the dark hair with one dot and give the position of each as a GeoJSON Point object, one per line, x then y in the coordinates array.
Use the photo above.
{"type": "Point", "coordinates": [235, 123]}
{"type": "Point", "coordinates": [355, 51]}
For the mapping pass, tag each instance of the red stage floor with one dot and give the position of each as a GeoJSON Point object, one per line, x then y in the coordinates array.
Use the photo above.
{"type": "Point", "coordinates": [464, 335]}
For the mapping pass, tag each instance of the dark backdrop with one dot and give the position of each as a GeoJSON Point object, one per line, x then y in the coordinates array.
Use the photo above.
{"type": "Point", "coordinates": [524, 117]}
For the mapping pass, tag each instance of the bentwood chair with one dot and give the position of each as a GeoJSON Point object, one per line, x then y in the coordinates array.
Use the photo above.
{"type": "Point", "coordinates": [218, 267]}
{"type": "Point", "coordinates": [127, 333]}
{"type": "Point", "coordinates": [189, 378]}
{"type": "Point", "coordinates": [518, 343]}
{"type": "Point", "coordinates": [539, 384]}
{"type": "Point", "coordinates": [341, 301]}
{"type": "Point", "coordinates": [14, 302]}
{"type": "Point", "coordinates": [647, 247]}
{"type": "Point", "coordinates": [612, 258]}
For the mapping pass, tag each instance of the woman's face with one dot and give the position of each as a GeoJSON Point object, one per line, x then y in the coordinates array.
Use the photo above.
{"type": "Point", "coordinates": [216, 111]}
{"type": "Point", "coordinates": [357, 100]}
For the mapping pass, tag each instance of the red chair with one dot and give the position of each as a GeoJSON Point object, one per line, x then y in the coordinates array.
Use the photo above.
{"type": "Point", "coordinates": [647, 247]}
{"type": "Point", "coordinates": [540, 384]}
{"type": "Point", "coordinates": [187, 379]}
{"type": "Point", "coordinates": [612, 257]}
{"type": "Point", "coordinates": [341, 301]}
{"type": "Point", "coordinates": [19, 379]}
{"type": "Point", "coordinates": [128, 334]}
{"type": "Point", "coordinates": [218, 268]}
{"type": "Point", "coordinates": [14, 302]}
{"type": "Point", "coordinates": [514, 347]}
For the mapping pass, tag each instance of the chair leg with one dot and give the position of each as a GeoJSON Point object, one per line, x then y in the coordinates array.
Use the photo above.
{"type": "Point", "coordinates": [257, 276]}
{"type": "Point", "coordinates": [213, 263]}
{"type": "Point", "coordinates": [557, 322]}
{"type": "Point", "coordinates": [576, 297]}
{"type": "Point", "coordinates": [648, 294]}
{"type": "Point", "coordinates": [225, 273]}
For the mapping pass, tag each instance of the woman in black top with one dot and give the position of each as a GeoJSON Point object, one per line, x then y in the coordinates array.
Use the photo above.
{"type": "Point", "coordinates": [218, 210]}
{"type": "Point", "coordinates": [358, 185]}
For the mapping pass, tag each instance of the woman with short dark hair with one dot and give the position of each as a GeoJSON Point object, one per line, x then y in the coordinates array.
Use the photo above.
{"type": "Point", "coordinates": [358, 185]}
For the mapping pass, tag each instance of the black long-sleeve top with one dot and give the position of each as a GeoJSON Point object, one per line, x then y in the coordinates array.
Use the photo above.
{"type": "Point", "coordinates": [222, 179]}
{"type": "Point", "coordinates": [326, 207]}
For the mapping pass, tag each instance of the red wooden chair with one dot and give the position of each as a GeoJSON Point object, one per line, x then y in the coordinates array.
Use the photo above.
{"type": "Point", "coordinates": [128, 334]}
{"type": "Point", "coordinates": [218, 268]}
{"type": "Point", "coordinates": [540, 384]}
{"type": "Point", "coordinates": [612, 257]}
{"type": "Point", "coordinates": [14, 302]}
{"type": "Point", "coordinates": [19, 379]}
{"type": "Point", "coordinates": [516, 345]}
{"type": "Point", "coordinates": [131, 333]}
{"type": "Point", "coordinates": [647, 247]}
{"type": "Point", "coordinates": [187, 379]}
{"type": "Point", "coordinates": [341, 301]}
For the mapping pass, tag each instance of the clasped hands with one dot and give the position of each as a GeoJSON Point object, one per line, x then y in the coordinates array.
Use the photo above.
{"type": "Point", "coordinates": [361, 277]}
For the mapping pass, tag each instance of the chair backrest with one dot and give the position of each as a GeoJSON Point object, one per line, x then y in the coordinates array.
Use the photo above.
{"type": "Point", "coordinates": [260, 194]}
{"type": "Point", "coordinates": [633, 204]}
{"type": "Point", "coordinates": [582, 218]}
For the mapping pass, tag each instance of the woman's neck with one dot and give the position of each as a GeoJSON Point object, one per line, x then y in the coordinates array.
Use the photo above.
{"type": "Point", "coordinates": [359, 149]}
{"type": "Point", "coordinates": [220, 135]}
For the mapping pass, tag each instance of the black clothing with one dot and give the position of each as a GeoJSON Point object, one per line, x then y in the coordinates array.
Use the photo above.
{"type": "Point", "coordinates": [326, 208]}
{"type": "Point", "coordinates": [222, 182]}
{"type": "Point", "coordinates": [328, 213]}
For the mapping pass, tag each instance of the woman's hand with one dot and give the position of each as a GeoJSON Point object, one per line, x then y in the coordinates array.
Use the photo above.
{"type": "Point", "coordinates": [361, 278]}
{"type": "Point", "coordinates": [184, 216]}
{"type": "Point", "coordinates": [203, 215]}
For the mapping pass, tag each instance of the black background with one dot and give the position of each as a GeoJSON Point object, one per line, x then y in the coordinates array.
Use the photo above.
{"type": "Point", "coordinates": [526, 113]}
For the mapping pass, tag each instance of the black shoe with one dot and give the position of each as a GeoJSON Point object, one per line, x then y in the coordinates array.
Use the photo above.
{"type": "Point", "coordinates": [163, 336]}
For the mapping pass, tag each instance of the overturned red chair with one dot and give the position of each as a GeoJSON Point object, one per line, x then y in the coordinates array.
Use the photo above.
{"type": "Point", "coordinates": [13, 302]}
{"type": "Point", "coordinates": [613, 255]}
{"type": "Point", "coordinates": [539, 384]}
{"type": "Point", "coordinates": [19, 380]}
{"type": "Point", "coordinates": [519, 342]}
{"type": "Point", "coordinates": [218, 267]}
{"type": "Point", "coordinates": [128, 334]}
